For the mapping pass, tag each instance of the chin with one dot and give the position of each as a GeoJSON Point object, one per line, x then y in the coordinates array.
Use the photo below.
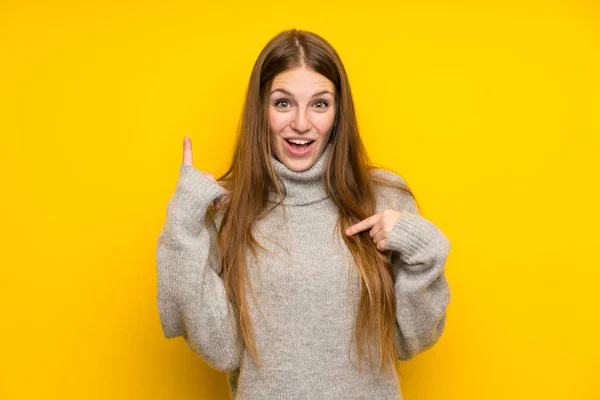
{"type": "Point", "coordinates": [298, 166]}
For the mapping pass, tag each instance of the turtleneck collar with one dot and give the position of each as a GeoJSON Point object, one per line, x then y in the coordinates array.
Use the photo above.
{"type": "Point", "coordinates": [303, 187]}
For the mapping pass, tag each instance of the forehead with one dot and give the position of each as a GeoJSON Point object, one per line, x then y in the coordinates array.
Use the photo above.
{"type": "Point", "coordinates": [301, 79]}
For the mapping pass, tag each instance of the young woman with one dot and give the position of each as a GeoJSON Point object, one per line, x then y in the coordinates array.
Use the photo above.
{"type": "Point", "coordinates": [303, 261]}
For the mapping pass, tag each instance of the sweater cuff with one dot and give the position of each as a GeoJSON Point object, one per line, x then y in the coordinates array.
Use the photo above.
{"type": "Point", "coordinates": [194, 192]}
{"type": "Point", "coordinates": [413, 235]}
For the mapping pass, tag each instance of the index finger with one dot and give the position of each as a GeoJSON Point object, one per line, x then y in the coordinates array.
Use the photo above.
{"type": "Point", "coordinates": [366, 223]}
{"type": "Point", "coordinates": [187, 151]}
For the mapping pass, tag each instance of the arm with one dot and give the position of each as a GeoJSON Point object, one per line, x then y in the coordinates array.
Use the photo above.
{"type": "Point", "coordinates": [419, 253]}
{"type": "Point", "coordinates": [191, 296]}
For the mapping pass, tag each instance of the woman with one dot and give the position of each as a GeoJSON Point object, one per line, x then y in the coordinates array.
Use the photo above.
{"type": "Point", "coordinates": [303, 260]}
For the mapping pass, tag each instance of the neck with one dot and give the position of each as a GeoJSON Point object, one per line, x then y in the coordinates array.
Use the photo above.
{"type": "Point", "coordinates": [303, 187]}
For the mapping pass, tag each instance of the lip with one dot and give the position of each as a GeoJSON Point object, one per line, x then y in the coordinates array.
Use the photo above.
{"type": "Point", "coordinates": [299, 138]}
{"type": "Point", "coordinates": [296, 153]}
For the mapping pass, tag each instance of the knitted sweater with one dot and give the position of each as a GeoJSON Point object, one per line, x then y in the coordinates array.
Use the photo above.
{"type": "Point", "coordinates": [307, 290]}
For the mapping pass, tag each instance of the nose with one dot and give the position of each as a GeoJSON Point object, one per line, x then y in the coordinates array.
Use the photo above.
{"type": "Point", "coordinates": [301, 122]}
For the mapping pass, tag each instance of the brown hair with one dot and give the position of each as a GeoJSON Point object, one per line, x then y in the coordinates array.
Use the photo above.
{"type": "Point", "coordinates": [348, 180]}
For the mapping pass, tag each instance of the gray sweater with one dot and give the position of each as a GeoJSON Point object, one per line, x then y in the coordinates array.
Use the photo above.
{"type": "Point", "coordinates": [307, 291]}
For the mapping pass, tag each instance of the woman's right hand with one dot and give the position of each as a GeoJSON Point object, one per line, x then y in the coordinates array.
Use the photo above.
{"type": "Point", "coordinates": [187, 160]}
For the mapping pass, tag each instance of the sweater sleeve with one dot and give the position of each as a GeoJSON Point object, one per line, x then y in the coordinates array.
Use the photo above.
{"type": "Point", "coordinates": [419, 253]}
{"type": "Point", "coordinates": [191, 296]}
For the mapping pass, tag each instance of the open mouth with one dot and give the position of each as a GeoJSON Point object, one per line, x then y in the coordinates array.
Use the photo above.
{"type": "Point", "coordinates": [299, 147]}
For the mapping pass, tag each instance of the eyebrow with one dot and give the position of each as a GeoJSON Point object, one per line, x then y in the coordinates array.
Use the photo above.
{"type": "Point", "coordinates": [314, 95]}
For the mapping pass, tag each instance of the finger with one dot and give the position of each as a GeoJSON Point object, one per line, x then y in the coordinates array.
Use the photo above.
{"type": "Point", "coordinates": [362, 225]}
{"type": "Point", "coordinates": [381, 235]}
{"type": "Point", "coordinates": [377, 229]}
{"type": "Point", "coordinates": [187, 151]}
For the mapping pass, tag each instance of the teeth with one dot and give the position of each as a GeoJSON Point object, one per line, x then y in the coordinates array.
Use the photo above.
{"type": "Point", "coordinates": [299, 141]}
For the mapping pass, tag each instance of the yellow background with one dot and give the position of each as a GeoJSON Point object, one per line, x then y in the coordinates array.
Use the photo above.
{"type": "Point", "coordinates": [490, 111]}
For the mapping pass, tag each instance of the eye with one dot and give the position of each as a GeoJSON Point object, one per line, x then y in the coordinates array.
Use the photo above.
{"type": "Point", "coordinates": [324, 102]}
{"type": "Point", "coordinates": [281, 101]}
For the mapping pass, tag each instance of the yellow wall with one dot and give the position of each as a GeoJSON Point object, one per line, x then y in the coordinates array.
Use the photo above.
{"type": "Point", "coordinates": [491, 112]}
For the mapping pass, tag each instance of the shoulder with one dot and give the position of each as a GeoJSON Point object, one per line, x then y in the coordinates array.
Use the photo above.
{"type": "Point", "coordinates": [392, 191]}
{"type": "Point", "coordinates": [379, 174]}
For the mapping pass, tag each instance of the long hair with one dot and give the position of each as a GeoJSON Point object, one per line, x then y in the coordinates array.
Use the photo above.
{"type": "Point", "coordinates": [348, 180]}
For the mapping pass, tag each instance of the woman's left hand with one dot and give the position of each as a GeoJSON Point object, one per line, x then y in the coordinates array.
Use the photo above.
{"type": "Point", "coordinates": [381, 225]}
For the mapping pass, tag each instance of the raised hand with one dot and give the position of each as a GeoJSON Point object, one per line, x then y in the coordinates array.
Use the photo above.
{"type": "Point", "coordinates": [187, 160]}
{"type": "Point", "coordinates": [381, 225]}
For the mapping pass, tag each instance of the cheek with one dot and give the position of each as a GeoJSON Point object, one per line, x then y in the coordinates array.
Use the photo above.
{"type": "Point", "coordinates": [324, 121]}
{"type": "Point", "coordinates": [277, 121]}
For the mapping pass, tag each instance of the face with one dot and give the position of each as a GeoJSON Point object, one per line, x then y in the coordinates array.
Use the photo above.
{"type": "Point", "coordinates": [302, 108]}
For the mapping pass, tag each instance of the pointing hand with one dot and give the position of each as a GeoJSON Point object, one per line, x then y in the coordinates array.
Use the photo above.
{"type": "Point", "coordinates": [187, 160]}
{"type": "Point", "coordinates": [381, 225]}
